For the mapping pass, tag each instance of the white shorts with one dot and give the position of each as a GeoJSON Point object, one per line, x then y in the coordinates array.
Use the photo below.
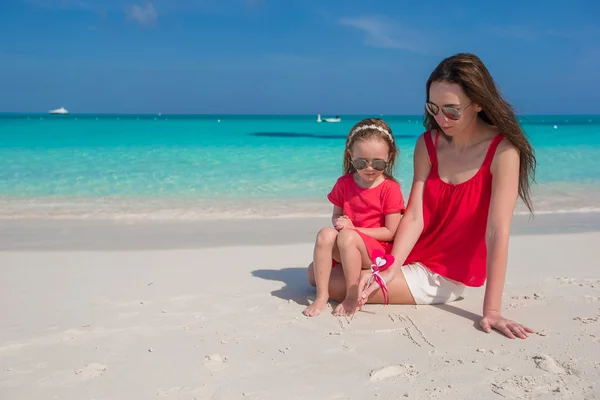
{"type": "Point", "coordinates": [428, 287]}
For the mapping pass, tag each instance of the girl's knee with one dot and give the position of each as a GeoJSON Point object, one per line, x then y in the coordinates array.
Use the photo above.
{"type": "Point", "coordinates": [326, 237]}
{"type": "Point", "coordinates": [347, 238]}
{"type": "Point", "coordinates": [310, 274]}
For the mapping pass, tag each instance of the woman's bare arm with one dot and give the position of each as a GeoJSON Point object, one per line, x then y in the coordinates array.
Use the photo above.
{"type": "Point", "coordinates": [505, 186]}
{"type": "Point", "coordinates": [411, 224]}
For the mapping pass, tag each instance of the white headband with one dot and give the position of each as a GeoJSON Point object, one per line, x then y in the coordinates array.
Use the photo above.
{"type": "Point", "coordinates": [376, 127]}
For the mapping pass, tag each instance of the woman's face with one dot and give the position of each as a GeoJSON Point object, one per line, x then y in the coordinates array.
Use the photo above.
{"type": "Point", "coordinates": [449, 101]}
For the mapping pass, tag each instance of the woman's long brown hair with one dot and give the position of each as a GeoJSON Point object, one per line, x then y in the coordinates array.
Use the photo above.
{"type": "Point", "coordinates": [468, 71]}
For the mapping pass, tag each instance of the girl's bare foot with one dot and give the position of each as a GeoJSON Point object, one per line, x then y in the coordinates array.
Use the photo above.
{"type": "Point", "coordinates": [316, 307]}
{"type": "Point", "coordinates": [347, 307]}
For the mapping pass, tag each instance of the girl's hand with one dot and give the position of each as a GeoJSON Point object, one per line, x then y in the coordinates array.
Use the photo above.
{"type": "Point", "coordinates": [512, 329]}
{"type": "Point", "coordinates": [337, 224]}
{"type": "Point", "coordinates": [343, 222]}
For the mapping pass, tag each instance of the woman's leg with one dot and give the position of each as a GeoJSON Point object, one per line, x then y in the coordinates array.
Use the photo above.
{"type": "Point", "coordinates": [324, 249]}
{"type": "Point", "coordinates": [398, 292]}
{"type": "Point", "coordinates": [398, 289]}
{"type": "Point", "coordinates": [354, 257]}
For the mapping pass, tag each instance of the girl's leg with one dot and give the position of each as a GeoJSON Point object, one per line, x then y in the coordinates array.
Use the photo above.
{"type": "Point", "coordinates": [324, 248]}
{"type": "Point", "coordinates": [354, 257]}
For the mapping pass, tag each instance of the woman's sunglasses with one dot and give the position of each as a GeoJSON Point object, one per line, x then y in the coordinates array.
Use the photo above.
{"type": "Point", "coordinates": [450, 112]}
{"type": "Point", "coordinates": [361, 163]}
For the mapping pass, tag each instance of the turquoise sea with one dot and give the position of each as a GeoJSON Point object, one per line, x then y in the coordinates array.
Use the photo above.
{"type": "Point", "coordinates": [194, 167]}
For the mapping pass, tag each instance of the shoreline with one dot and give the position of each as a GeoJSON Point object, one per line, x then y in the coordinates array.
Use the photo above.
{"type": "Point", "coordinates": [125, 235]}
{"type": "Point", "coordinates": [550, 198]}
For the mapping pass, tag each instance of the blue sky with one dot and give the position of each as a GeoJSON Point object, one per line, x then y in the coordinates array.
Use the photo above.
{"type": "Point", "coordinates": [289, 56]}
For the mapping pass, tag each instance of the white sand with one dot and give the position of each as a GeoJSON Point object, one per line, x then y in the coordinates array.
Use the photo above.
{"type": "Point", "coordinates": [226, 323]}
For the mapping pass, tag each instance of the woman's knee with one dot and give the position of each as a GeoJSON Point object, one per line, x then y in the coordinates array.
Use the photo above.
{"type": "Point", "coordinates": [326, 237]}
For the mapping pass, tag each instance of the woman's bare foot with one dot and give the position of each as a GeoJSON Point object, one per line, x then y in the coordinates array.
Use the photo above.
{"type": "Point", "coordinates": [347, 307]}
{"type": "Point", "coordinates": [316, 307]}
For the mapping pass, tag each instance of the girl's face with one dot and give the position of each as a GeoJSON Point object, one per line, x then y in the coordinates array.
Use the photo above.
{"type": "Point", "coordinates": [369, 157]}
{"type": "Point", "coordinates": [451, 108]}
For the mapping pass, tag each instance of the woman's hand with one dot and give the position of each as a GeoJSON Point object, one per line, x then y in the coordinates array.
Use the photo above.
{"type": "Point", "coordinates": [364, 292]}
{"type": "Point", "coordinates": [512, 329]}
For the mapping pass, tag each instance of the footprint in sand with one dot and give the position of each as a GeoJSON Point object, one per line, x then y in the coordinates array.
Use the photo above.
{"type": "Point", "coordinates": [215, 362]}
{"type": "Point", "coordinates": [73, 336]}
{"type": "Point", "coordinates": [526, 387]}
{"type": "Point", "coordinates": [548, 364]}
{"type": "Point", "coordinates": [591, 283]}
{"type": "Point", "coordinates": [392, 372]}
{"type": "Point", "coordinates": [561, 382]}
{"type": "Point", "coordinates": [91, 371]}
{"type": "Point", "coordinates": [71, 377]}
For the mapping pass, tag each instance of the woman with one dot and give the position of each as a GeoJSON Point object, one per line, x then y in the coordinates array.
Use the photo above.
{"type": "Point", "coordinates": [469, 168]}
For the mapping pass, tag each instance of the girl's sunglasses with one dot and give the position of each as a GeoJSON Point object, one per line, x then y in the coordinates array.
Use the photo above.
{"type": "Point", "coordinates": [450, 112]}
{"type": "Point", "coordinates": [361, 163]}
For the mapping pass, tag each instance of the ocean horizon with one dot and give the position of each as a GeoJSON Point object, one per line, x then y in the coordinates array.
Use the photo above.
{"type": "Point", "coordinates": [182, 166]}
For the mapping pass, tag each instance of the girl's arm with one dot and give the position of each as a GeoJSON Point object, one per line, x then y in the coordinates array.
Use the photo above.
{"type": "Point", "coordinates": [385, 233]}
{"type": "Point", "coordinates": [505, 186]}
{"type": "Point", "coordinates": [337, 212]}
{"type": "Point", "coordinates": [411, 224]}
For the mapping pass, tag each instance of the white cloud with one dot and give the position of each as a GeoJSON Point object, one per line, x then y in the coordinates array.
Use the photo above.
{"type": "Point", "coordinates": [143, 15]}
{"type": "Point", "coordinates": [380, 32]}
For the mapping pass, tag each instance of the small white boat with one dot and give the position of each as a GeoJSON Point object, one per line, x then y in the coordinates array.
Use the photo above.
{"type": "Point", "coordinates": [336, 119]}
{"type": "Point", "coordinates": [61, 110]}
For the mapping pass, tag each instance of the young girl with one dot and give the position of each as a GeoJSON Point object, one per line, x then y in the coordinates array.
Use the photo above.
{"type": "Point", "coordinates": [367, 207]}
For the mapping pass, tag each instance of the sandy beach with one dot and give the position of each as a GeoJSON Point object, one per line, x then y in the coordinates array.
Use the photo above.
{"type": "Point", "coordinates": [90, 314]}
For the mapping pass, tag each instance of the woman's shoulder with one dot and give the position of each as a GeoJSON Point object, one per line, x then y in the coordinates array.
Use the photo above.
{"type": "Point", "coordinates": [505, 156]}
{"type": "Point", "coordinates": [504, 144]}
{"type": "Point", "coordinates": [428, 134]}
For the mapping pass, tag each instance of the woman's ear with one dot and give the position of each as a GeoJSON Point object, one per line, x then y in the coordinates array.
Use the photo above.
{"type": "Point", "coordinates": [478, 108]}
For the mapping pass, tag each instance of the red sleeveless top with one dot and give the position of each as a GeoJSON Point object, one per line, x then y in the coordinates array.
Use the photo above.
{"type": "Point", "coordinates": [452, 243]}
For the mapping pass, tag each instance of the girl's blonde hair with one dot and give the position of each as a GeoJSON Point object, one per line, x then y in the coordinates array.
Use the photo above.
{"type": "Point", "coordinates": [371, 128]}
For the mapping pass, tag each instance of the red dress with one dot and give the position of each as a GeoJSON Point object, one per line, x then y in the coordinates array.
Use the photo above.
{"type": "Point", "coordinates": [368, 207]}
{"type": "Point", "coordinates": [452, 243]}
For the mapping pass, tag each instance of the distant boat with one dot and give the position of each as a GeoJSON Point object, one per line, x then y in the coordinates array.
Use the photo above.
{"type": "Point", "coordinates": [336, 119]}
{"type": "Point", "coordinates": [61, 110]}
